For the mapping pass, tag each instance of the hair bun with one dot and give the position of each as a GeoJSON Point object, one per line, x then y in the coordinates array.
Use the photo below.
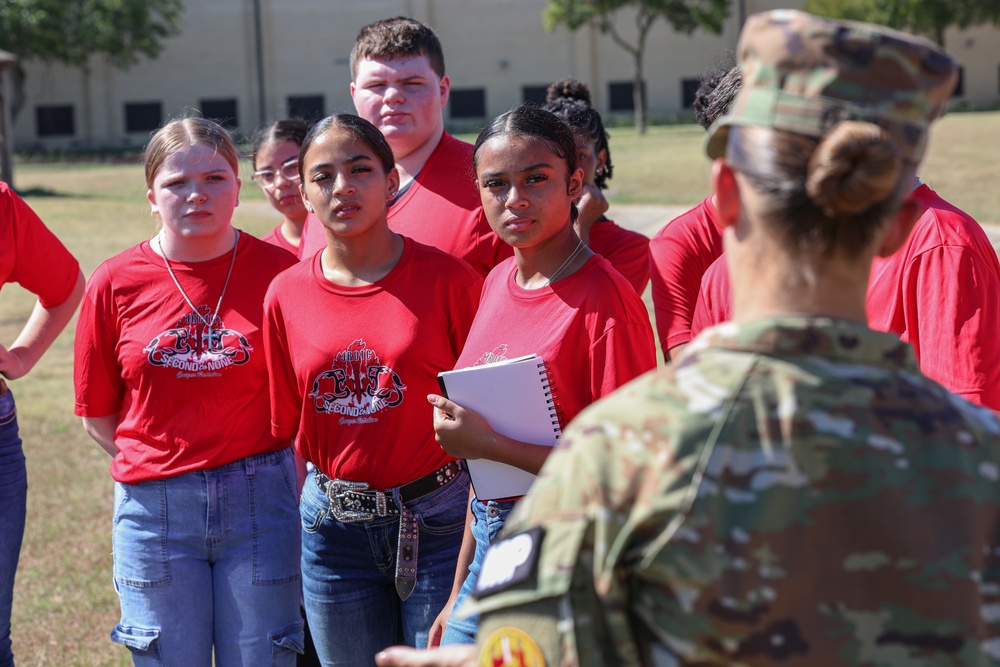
{"type": "Point", "coordinates": [569, 88]}
{"type": "Point", "coordinates": [855, 166]}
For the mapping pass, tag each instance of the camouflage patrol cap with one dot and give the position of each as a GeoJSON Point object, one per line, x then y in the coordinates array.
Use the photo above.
{"type": "Point", "coordinates": [804, 74]}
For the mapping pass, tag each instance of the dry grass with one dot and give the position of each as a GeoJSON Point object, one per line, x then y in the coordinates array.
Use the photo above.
{"type": "Point", "coordinates": [64, 603]}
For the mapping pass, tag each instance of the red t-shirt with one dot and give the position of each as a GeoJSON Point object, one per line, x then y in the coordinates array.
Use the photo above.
{"type": "Point", "coordinates": [441, 208]}
{"type": "Point", "coordinates": [715, 298]}
{"type": "Point", "coordinates": [679, 255]}
{"type": "Point", "coordinates": [31, 255]}
{"type": "Point", "coordinates": [275, 237]}
{"type": "Point", "coordinates": [626, 250]}
{"type": "Point", "coordinates": [591, 328]}
{"type": "Point", "coordinates": [313, 238]}
{"type": "Point", "coordinates": [184, 402]}
{"type": "Point", "coordinates": [939, 293]}
{"type": "Point", "coordinates": [351, 366]}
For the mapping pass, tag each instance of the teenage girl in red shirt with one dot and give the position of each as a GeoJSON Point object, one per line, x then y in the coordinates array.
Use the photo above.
{"type": "Point", "coordinates": [554, 298]}
{"type": "Point", "coordinates": [355, 339]}
{"type": "Point", "coordinates": [171, 381]}
{"type": "Point", "coordinates": [275, 158]}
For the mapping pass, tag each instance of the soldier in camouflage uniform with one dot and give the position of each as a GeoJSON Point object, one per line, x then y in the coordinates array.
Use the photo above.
{"type": "Point", "coordinates": [792, 491]}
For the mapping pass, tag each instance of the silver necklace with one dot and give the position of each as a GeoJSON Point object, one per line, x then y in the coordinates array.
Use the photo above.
{"type": "Point", "coordinates": [209, 323]}
{"type": "Point", "coordinates": [562, 267]}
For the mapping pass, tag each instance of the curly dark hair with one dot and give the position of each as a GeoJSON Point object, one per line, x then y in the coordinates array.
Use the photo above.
{"type": "Point", "coordinates": [569, 99]}
{"type": "Point", "coordinates": [716, 91]}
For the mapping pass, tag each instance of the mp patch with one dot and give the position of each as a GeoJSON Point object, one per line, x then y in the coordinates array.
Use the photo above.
{"type": "Point", "coordinates": [509, 562]}
{"type": "Point", "coordinates": [510, 647]}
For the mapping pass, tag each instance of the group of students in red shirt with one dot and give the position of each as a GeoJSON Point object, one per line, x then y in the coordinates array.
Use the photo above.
{"type": "Point", "coordinates": [204, 353]}
{"type": "Point", "coordinates": [938, 293]}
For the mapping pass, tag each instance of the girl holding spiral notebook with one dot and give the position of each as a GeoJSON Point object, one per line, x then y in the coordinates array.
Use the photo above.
{"type": "Point", "coordinates": [554, 298]}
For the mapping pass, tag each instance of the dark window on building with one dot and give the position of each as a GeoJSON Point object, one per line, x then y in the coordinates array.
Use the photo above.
{"type": "Point", "coordinates": [688, 88]}
{"type": "Point", "coordinates": [620, 95]}
{"type": "Point", "coordinates": [960, 86]}
{"type": "Point", "coordinates": [310, 107]}
{"type": "Point", "coordinates": [468, 102]}
{"type": "Point", "coordinates": [534, 94]}
{"type": "Point", "coordinates": [221, 111]}
{"type": "Point", "coordinates": [143, 116]}
{"type": "Point", "coordinates": [55, 121]}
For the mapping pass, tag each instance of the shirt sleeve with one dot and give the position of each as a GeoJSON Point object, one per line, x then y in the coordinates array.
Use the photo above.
{"type": "Point", "coordinates": [623, 353]}
{"type": "Point", "coordinates": [42, 264]}
{"type": "Point", "coordinates": [463, 315]}
{"type": "Point", "coordinates": [98, 381]}
{"type": "Point", "coordinates": [702, 318]}
{"type": "Point", "coordinates": [286, 396]}
{"type": "Point", "coordinates": [952, 314]}
{"type": "Point", "coordinates": [675, 278]}
{"type": "Point", "coordinates": [715, 298]}
{"type": "Point", "coordinates": [625, 250]}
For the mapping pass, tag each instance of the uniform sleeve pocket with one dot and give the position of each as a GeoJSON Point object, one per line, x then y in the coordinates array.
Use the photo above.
{"type": "Point", "coordinates": [531, 565]}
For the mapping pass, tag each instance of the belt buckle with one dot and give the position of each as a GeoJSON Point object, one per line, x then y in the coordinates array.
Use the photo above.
{"type": "Point", "coordinates": [340, 505]}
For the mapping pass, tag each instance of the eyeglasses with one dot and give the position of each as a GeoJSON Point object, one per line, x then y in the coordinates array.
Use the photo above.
{"type": "Point", "coordinates": [289, 171]}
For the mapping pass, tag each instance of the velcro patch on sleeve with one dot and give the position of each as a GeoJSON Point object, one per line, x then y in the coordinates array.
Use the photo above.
{"type": "Point", "coordinates": [511, 561]}
{"type": "Point", "coordinates": [510, 647]}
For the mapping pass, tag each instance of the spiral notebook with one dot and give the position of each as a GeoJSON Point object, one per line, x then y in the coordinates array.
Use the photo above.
{"type": "Point", "coordinates": [515, 397]}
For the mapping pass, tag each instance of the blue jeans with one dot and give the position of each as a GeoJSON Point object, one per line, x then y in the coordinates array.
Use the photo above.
{"type": "Point", "coordinates": [13, 496]}
{"type": "Point", "coordinates": [487, 520]}
{"type": "Point", "coordinates": [348, 574]}
{"type": "Point", "coordinates": [210, 559]}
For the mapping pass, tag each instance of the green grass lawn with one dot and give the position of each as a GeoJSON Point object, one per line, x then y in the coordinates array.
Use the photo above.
{"type": "Point", "coordinates": [65, 604]}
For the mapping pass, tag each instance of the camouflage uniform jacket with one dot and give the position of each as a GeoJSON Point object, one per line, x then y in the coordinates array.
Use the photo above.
{"type": "Point", "coordinates": [791, 492]}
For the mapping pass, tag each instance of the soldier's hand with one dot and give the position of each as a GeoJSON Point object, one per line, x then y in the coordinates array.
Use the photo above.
{"type": "Point", "coordinates": [448, 656]}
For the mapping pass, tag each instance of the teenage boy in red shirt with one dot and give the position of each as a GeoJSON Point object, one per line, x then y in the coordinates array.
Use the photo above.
{"type": "Point", "coordinates": [399, 85]}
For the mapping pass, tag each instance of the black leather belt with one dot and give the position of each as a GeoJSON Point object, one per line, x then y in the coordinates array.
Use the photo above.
{"type": "Point", "coordinates": [351, 502]}
{"type": "Point", "coordinates": [354, 502]}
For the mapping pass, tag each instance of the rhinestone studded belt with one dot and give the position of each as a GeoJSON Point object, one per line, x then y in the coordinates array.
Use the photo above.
{"type": "Point", "coordinates": [354, 502]}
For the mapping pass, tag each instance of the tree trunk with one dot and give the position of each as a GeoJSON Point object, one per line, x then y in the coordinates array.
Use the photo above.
{"type": "Point", "coordinates": [17, 76]}
{"type": "Point", "coordinates": [6, 128]}
{"type": "Point", "coordinates": [638, 94]}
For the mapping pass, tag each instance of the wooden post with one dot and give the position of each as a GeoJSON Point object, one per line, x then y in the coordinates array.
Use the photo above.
{"type": "Point", "coordinates": [7, 61]}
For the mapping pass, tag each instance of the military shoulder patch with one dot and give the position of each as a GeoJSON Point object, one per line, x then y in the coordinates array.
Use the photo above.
{"type": "Point", "coordinates": [510, 647]}
{"type": "Point", "coordinates": [510, 561]}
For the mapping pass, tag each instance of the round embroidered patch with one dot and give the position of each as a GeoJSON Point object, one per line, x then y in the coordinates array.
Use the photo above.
{"type": "Point", "coordinates": [510, 647]}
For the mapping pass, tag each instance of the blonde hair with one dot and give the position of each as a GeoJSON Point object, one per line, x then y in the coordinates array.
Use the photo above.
{"type": "Point", "coordinates": [183, 133]}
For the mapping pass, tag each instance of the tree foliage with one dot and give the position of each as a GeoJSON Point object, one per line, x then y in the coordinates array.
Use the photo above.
{"type": "Point", "coordinates": [684, 16]}
{"type": "Point", "coordinates": [71, 32]}
{"type": "Point", "coordinates": [930, 18]}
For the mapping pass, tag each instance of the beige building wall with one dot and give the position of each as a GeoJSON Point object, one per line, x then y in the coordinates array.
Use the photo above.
{"type": "Point", "coordinates": [497, 46]}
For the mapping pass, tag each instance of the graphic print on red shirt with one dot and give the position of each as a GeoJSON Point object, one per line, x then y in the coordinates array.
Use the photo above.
{"type": "Point", "coordinates": [358, 386]}
{"type": "Point", "coordinates": [191, 345]}
{"type": "Point", "coordinates": [349, 366]}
